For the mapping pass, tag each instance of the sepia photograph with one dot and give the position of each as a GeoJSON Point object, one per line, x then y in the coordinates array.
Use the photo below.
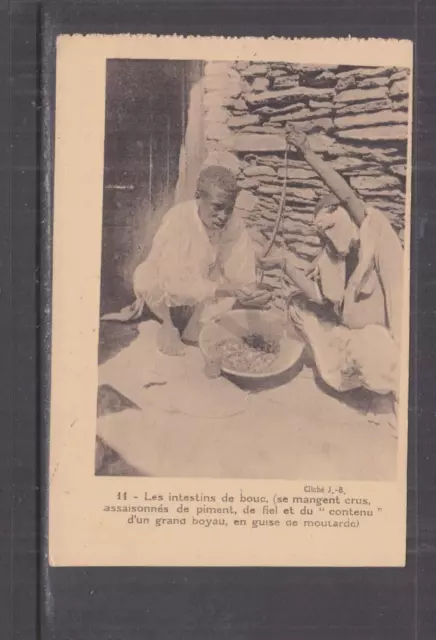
{"type": "Point", "coordinates": [253, 269]}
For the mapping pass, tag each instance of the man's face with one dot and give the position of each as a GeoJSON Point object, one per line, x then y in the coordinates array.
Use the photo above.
{"type": "Point", "coordinates": [338, 247]}
{"type": "Point", "coordinates": [339, 238]}
{"type": "Point", "coordinates": [215, 207]}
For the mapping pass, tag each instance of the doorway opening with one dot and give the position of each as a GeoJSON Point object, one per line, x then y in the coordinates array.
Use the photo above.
{"type": "Point", "coordinates": [147, 104]}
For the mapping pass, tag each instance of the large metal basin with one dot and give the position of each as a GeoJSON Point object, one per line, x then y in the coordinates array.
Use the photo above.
{"type": "Point", "coordinates": [240, 323]}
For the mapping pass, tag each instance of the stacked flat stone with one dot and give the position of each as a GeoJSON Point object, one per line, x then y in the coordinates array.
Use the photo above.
{"type": "Point", "coordinates": [356, 118]}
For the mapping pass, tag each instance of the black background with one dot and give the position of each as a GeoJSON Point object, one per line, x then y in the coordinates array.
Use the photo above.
{"type": "Point", "coordinates": [195, 604]}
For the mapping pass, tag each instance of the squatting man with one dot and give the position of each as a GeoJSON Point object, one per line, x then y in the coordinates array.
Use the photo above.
{"type": "Point", "coordinates": [202, 261]}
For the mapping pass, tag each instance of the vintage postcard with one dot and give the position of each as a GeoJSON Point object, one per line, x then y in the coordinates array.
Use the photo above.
{"type": "Point", "coordinates": [230, 311]}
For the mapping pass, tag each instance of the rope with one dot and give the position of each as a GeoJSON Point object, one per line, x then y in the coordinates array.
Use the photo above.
{"type": "Point", "coordinates": [278, 222]}
{"type": "Point", "coordinates": [281, 206]}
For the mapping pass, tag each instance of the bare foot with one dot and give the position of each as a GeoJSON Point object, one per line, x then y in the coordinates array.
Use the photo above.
{"type": "Point", "coordinates": [169, 343]}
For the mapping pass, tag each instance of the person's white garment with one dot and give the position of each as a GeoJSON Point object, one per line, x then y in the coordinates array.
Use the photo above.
{"type": "Point", "coordinates": [373, 294]}
{"type": "Point", "coordinates": [364, 348]}
{"type": "Point", "coordinates": [184, 268]}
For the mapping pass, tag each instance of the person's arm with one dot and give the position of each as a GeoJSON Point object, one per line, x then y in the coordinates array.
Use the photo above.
{"type": "Point", "coordinates": [389, 263]}
{"type": "Point", "coordinates": [330, 176]}
{"type": "Point", "coordinates": [225, 290]}
{"type": "Point", "coordinates": [306, 285]}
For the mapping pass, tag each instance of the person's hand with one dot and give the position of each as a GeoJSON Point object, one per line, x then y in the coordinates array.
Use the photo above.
{"type": "Point", "coordinates": [224, 290]}
{"type": "Point", "coordinates": [253, 296]}
{"type": "Point", "coordinates": [297, 138]}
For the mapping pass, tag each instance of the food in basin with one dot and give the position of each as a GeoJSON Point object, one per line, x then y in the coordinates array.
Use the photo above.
{"type": "Point", "coordinates": [254, 344]}
{"type": "Point", "coordinates": [250, 354]}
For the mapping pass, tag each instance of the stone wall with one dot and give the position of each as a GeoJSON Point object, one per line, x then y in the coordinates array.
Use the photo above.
{"type": "Point", "coordinates": [356, 119]}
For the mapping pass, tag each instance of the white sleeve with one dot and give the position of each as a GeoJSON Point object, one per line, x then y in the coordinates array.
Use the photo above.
{"type": "Point", "coordinates": [173, 271]}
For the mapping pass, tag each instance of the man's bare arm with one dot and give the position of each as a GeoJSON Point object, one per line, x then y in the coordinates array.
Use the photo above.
{"type": "Point", "coordinates": [330, 176]}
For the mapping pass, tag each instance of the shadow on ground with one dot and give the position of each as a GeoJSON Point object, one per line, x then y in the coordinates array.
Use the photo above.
{"type": "Point", "coordinates": [107, 461]}
{"type": "Point", "coordinates": [114, 337]}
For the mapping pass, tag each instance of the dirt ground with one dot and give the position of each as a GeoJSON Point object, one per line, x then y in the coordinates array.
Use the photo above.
{"type": "Point", "coordinates": [159, 416]}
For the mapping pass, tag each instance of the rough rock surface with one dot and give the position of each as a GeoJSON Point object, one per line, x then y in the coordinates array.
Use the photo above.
{"type": "Point", "coordinates": [361, 95]}
{"type": "Point", "coordinates": [243, 121]}
{"type": "Point", "coordinates": [302, 114]}
{"type": "Point", "coordinates": [365, 107]}
{"type": "Point", "coordinates": [369, 120]}
{"type": "Point", "coordinates": [399, 89]}
{"type": "Point", "coordinates": [356, 119]}
{"type": "Point", "coordinates": [377, 134]}
{"type": "Point", "coordinates": [290, 95]}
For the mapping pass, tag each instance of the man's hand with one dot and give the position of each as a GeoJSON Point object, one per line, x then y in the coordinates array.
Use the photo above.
{"type": "Point", "coordinates": [297, 138]}
{"type": "Point", "coordinates": [253, 296]}
{"type": "Point", "coordinates": [249, 295]}
{"type": "Point", "coordinates": [224, 290]}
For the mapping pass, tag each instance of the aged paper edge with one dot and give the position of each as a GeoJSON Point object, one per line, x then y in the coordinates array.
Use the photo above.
{"type": "Point", "coordinates": [72, 541]}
